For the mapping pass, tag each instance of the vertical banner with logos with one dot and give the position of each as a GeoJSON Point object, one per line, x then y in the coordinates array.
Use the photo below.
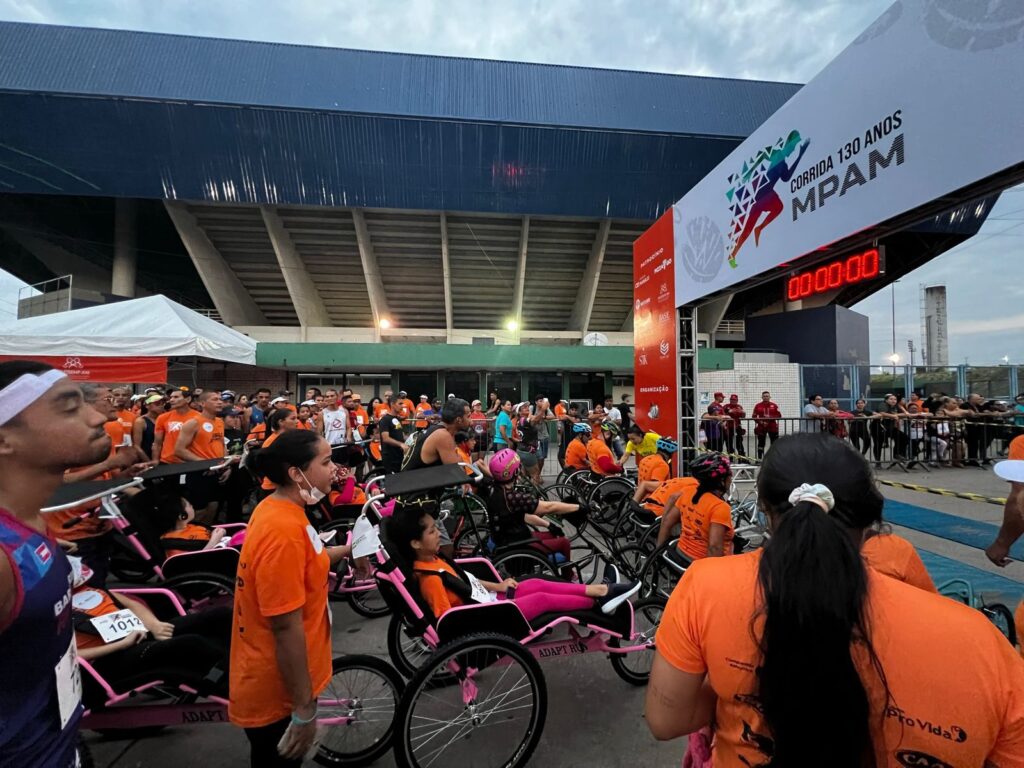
{"type": "Point", "coordinates": [655, 350]}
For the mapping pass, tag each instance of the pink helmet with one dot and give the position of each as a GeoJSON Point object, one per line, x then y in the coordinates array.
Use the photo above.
{"type": "Point", "coordinates": [504, 465]}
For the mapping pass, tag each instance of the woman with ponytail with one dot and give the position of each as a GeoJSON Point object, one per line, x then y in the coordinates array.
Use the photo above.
{"type": "Point", "coordinates": [802, 655]}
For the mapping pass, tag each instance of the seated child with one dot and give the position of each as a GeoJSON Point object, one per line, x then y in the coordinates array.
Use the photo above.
{"type": "Point", "coordinates": [443, 585]}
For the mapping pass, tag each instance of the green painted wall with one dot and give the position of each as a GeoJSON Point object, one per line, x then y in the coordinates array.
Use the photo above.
{"type": "Point", "coordinates": [354, 357]}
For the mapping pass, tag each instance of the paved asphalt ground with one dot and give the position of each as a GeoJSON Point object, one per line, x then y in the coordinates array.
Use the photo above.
{"type": "Point", "coordinates": [593, 716]}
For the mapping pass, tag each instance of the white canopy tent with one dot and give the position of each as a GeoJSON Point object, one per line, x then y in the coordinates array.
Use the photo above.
{"type": "Point", "coordinates": [151, 327]}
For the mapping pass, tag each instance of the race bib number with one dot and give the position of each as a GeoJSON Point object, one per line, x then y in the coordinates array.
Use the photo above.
{"type": "Point", "coordinates": [114, 626]}
{"type": "Point", "coordinates": [480, 593]}
{"type": "Point", "coordinates": [69, 685]}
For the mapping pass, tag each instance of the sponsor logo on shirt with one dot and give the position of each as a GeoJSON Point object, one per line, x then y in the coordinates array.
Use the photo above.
{"type": "Point", "coordinates": [42, 553]}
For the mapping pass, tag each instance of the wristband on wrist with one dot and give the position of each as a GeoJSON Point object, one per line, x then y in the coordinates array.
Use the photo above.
{"type": "Point", "coordinates": [301, 721]}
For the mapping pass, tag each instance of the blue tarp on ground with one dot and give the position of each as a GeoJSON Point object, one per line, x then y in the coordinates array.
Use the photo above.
{"type": "Point", "coordinates": [972, 533]}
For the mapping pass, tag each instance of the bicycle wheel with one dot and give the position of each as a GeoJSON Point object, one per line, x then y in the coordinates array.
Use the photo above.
{"type": "Point", "coordinates": [1002, 617]}
{"type": "Point", "coordinates": [369, 603]}
{"type": "Point", "coordinates": [407, 653]}
{"type": "Point", "coordinates": [493, 717]}
{"type": "Point", "coordinates": [635, 668]}
{"type": "Point", "coordinates": [523, 563]}
{"type": "Point", "coordinates": [368, 690]}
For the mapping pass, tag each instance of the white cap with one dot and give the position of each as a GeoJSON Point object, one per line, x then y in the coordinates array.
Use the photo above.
{"type": "Point", "coordinates": [277, 400]}
{"type": "Point", "coordinates": [307, 402]}
{"type": "Point", "coordinates": [1012, 470]}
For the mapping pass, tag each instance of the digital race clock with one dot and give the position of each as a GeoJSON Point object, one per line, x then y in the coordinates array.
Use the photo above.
{"type": "Point", "coordinates": [837, 274]}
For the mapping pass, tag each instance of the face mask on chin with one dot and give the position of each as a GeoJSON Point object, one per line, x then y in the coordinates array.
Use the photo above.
{"type": "Point", "coordinates": [312, 495]}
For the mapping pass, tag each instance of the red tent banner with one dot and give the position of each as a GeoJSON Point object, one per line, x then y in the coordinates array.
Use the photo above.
{"type": "Point", "coordinates": [126, 370]}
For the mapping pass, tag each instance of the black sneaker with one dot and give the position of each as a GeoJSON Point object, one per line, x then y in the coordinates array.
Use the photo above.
{"type": "Point", "coordinates": [611, 575]}
{"type": "Point", "coordinates": [617, 595]}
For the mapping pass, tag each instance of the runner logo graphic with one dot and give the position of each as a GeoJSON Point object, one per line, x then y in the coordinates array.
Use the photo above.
{"type": "Point", "coordinates": [753, 201]}
{"type": "Point", "coordinates": [73, 362]}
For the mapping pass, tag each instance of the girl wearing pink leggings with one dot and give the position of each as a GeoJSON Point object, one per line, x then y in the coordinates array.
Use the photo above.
{"type": "Point", "coordinates": [444, 585]}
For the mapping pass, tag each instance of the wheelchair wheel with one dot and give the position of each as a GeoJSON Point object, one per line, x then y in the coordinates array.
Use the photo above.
{"type": "Point", "coordinates": [407, 653]}
{"type": "Point", "coordinates": [523, 563]}
{"type": "Point", "coordinates": [368, 690]}
{"type": "Point", "coordinates": [635, 668]}
{"type": "Point", "coordinates": [630, 560]}
{"type": "Point", "coordinates": [607, 496]}
{"type": "Point", "coordinates": [368, 603]}
{"type": "Point", "coordinates": [658, 576]}
{"type": "Point", "coordinates": [493, 717]}
{"type": "Point", "coordinates": [1002, 617]}
{"type": "Point", "coordinates": [201, 590]}
{"type": "Point", "coordinates": [470, 542]}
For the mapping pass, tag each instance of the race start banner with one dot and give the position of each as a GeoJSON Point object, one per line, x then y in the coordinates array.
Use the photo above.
{"type": "Point", "coordinates": [928, 100]}
{"type": "Point", "coordinates": [655, 353]}
{"type": "Point", "coordinates": [110, 370]}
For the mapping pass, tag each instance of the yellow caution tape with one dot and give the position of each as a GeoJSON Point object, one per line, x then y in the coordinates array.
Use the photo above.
{"type": "Point", "coordinates": [944, 492]}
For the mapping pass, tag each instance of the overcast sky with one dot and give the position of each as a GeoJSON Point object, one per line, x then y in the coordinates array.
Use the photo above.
{"type": "Point", "coordinates": [787, 40]}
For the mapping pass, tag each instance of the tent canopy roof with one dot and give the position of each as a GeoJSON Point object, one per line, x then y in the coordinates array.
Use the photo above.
{"type": "Point", "coordinates": [153, 326]}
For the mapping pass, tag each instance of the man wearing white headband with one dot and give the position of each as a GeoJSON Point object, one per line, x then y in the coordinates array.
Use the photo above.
{"type": "Point", "coordinates": [45, 428]}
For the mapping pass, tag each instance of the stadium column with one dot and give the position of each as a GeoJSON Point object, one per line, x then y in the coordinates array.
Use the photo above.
{"type": "Point", "coordinates": [374, 285]}
{"type": "Point", "coordinates": [520, 284]}
{"type": "Point", "coordinates": [229, 296]}
{"type": "Point", "coordinates": [309, 306]}
{"type": "Point", "coordinates": [711, 315]}
{"type": "Point", "coordinates": [580, 318]}
{"type": "Point", "coordinates": [446, 274]}
{"type": "Point", "coordinates": [122, 275]}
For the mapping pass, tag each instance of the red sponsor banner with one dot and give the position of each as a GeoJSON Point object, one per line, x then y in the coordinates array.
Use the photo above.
{"type": "Point", "coordinates": [119, 370]}
{"type": "Point", "coordinates": [654, 330]}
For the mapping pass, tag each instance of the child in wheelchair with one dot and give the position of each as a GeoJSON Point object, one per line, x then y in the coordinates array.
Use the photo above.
{"type": "Point", "coordinates": [174, 518]}
{"type": "Point", "coordinates": [128, 645]}
{"type": "Point", "coordinates": [444, 585]}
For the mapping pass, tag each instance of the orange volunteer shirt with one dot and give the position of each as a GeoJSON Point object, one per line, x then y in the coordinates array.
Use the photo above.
{"type": "Point", "coordinates": [576, 454]}
{"type": "Point", "coordinates": [169, 425]}
{"type": "Point", "coordinates": [209, 439]}
{"type": "Point", "coordinates": [595, 450]}
{"type": "Point", "coordinates": [362, 420]}
{"type": "Point", "coordinates": [432, 588]}
{"type": "Point", "coordinates": [1017, 449]}
{"type": "Point", "coordinates": [125, 419]}
{"type": "Point", "coordinates": [1018, 620]}
{"type": "Point", "coordinates": [896, 557]}
{"type": "Point", "coordinates": [696, 520]}
{"type": "Point", "coordinates": [378, 409]}
{"type": "Point", "coordinates": [188, 535]}
{"type": "Point", "coordinates": [653, 467]}
{"type": "Point", "coordinates": [658, 499]}
{"type": "Point", "coordinates": [981, 695]}
{"type": "Point", "coordinates": [283, 567]}
{"type": "Point", "coordinates": [268, 484]}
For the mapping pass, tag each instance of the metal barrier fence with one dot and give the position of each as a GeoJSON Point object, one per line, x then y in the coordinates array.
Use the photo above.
{"type": "Point", "coordinates": [904, 440]}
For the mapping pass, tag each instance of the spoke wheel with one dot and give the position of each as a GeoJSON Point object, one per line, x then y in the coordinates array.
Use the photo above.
{"type": "Point", "coordinates": [523, 563]}
{"type": "Point", "coordinates": [635, 668]}
{"type": "Point", "coordinates": [201, 590]}
{"type": "Point", "coordinates": [369, 603]}
{"type": "Point", "coordinates": [1001, 616]}
{"type": "Point", "coordinates": [470, 542]}
{"type": "Point", "coordinates": [493, 717]}
{"type": "Point", "coordinates": [407, 653]}
{"type": "Point", "coordinates": [368, 690]}
{"type": "Point", "coordinates": [658, 577]}
{"type": "Point", "coordinates": [630, 560]}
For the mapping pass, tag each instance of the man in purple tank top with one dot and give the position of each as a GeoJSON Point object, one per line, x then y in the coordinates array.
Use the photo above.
{"type": "Point", "coordinates": [45, 428]}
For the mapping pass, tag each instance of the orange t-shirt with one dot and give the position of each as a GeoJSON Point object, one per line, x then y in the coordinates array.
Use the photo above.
{"type": "Point", "coordinates": [93, 602]}
{"type": "Point", "coordinates": [268, 484]}
{"type": "Point", "coordinates": [362, 420]}
{"type": "Point", "coordinates": [283, 567]}
{"type": "Point", "coordinates": [658, 499]}
{"type": "Point", "coordinates": [696, 520]}
{"type": "Point", "coordinates": [595, 450]}
{"type": "Point", "coordinates": [169, 425]}
{"type": "Point", "coordinates": [432, 588]}
{"type": "Point", "coordinates": [1017, 449]}
{"type": "Point", "coordinates": [91, 525]}
{"type": "Point", "coordinates": [125, 419]}
{"type": "Point", "coordinates": [378, 409]}
{"type": "Point", "coordinates": [559, 410]}
{"type": "Point", "coordinates": [209, 440]}
{"type": "Point", "coordinates": [1018, 620]}
{"type": "Point", "coordinates": [896, 557]}
{"type": "Point", "coordinates": [652, 467]}
{"type": "Point", "coordinates": [190, 533]}
{"type": "Point", "coordinates": [422, 424]}
{"type": "Point", "coordinates": [576, 454]}
{"type": "Point", "coordinates": [709, 626]}
{"type": "Point", "coordinates": [259, 432]}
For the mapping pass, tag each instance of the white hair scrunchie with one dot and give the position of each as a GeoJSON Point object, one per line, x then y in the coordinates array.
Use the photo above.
{"type": "Point", "coordinates": [816, 494]}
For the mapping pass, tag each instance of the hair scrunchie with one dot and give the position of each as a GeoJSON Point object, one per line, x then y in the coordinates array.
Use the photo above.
{"type": "Point", "coordinates": [816, 494]}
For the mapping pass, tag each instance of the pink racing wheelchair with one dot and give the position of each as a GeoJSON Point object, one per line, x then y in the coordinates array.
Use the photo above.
{"type": "Point", "coordinates": [476, 694]}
